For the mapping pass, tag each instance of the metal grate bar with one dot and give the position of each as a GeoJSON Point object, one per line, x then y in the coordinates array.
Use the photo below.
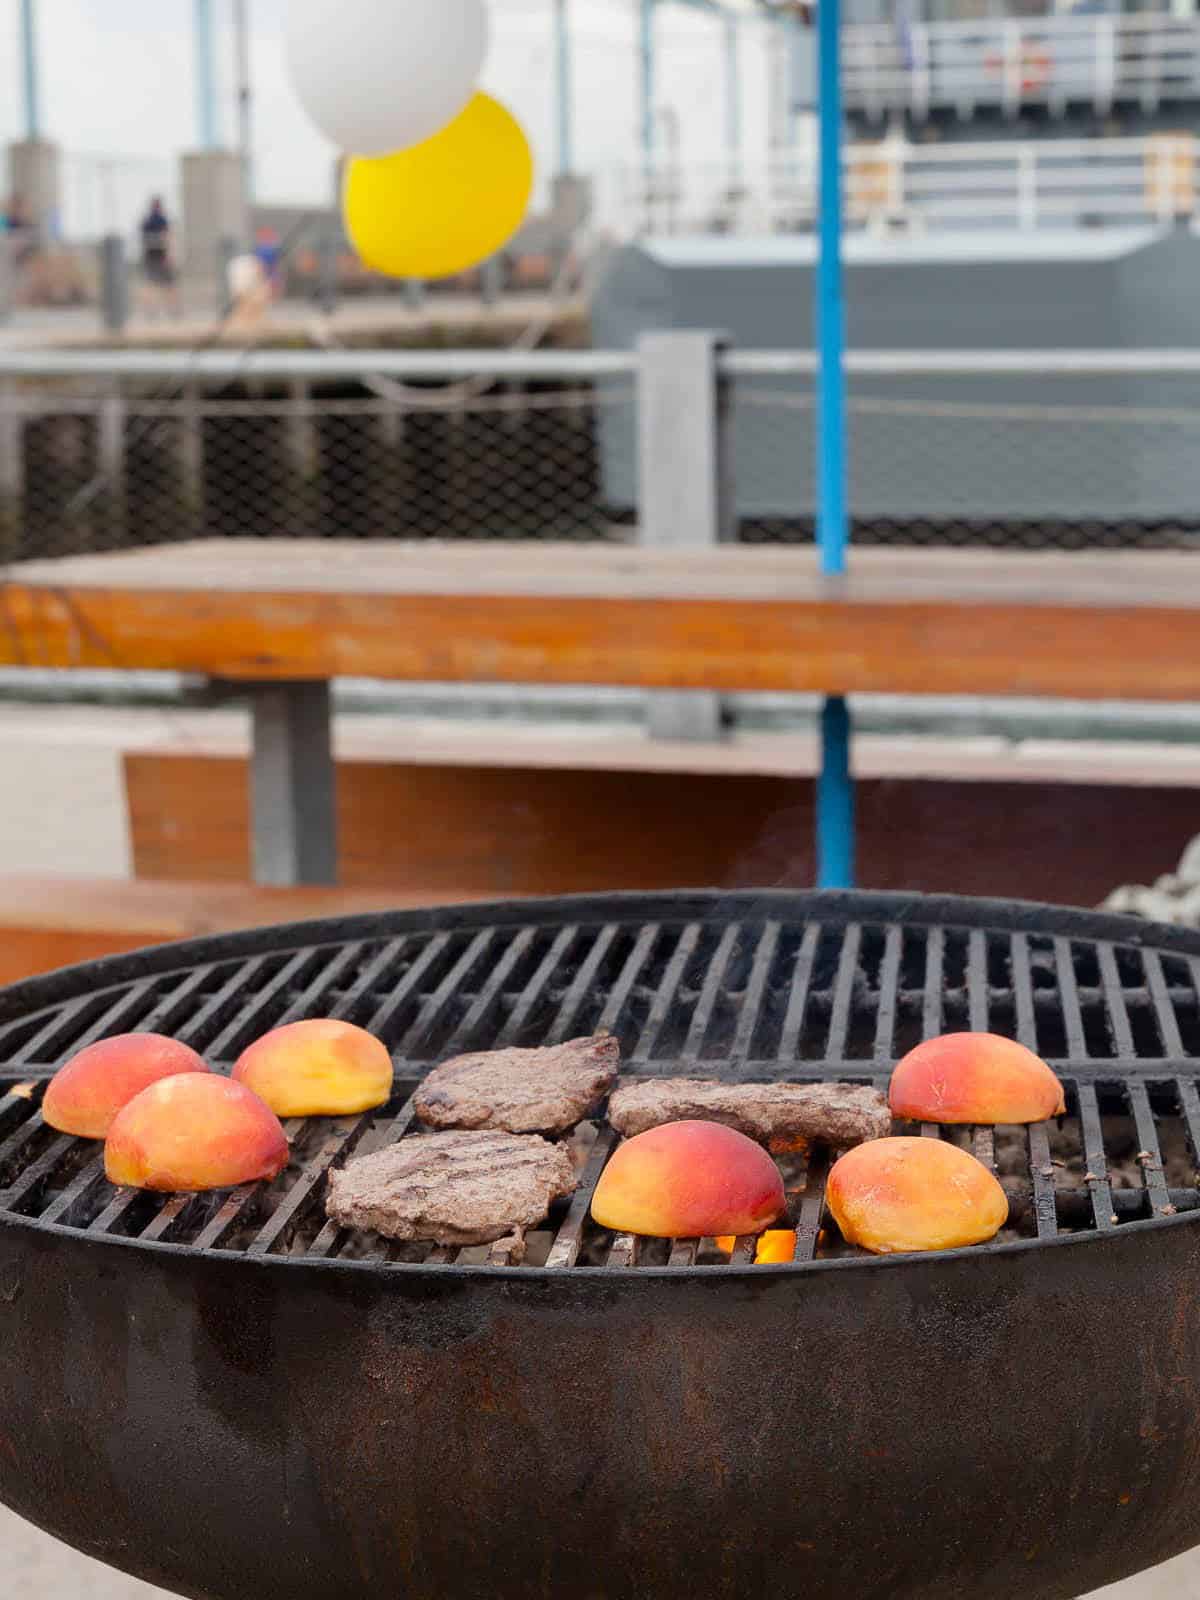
{"type": "Point", "coordinates": [983, 1144]}
{"type": "Point", "coordinates": [344, 1134]}
{"type": "Point", "coordinates": [37, 1171]}
{"type": "Point", "coordinates": [159, 1226]}
{"type": "Point", "coordinates": [1189, 1105]}
{"type": "Point", "coordinates": [665, 995]}
{"type": "Point", "coordinates": [889, 994]}
{"type": "Point", "coordinates": [932, 1014]}
{"type": "Point", "coordinates": [683, 1252]}
{"type": "Point", "coordinates": [1042, 1174]}
{"type": "Point", "coordinates": [173, 1006]}
{"type": "Point", "coordinates": [714, 980]}
{"type": "Point", "coordinates": [1095, 1158]}
{"type": "Point", "coordinates": [744, 1251]}
{"type": "Point", "coordinates": [797, 1008]}
{"type": "Point", "coordinates": [532, 994]}
{"type": "Point", "coordinates": [931, 1130]}
{"type": "Point", "coordinates": [1022, 981]}
{"type": "Point", "coordinates": [1149, 1155]}
{"type": "Point", "coordinates": [16, 1106]}
{"type": "Point", "coordinates": [120, 1017]}
{"type": "Point", "coordinates": [59, 1031]}
{"type": "Point", "coordinates": [843, 993]}
{"type": "Point", "coordinates": [1068, 991]}
{"type": "Point", "coordinates": [435, 1006]}
{"type": "Point", "coordinates": [380, 1021]}
{"type": "Point", "coordinates": [379, 970]}
{"type": "Point", "coordinates": [221, 1005]}
{"type": "Point", "coordinates": [307, 1002]}
{"type": "Point", "coordinates": [489, 994]}
{"type": "Point", "coordinates": [1114, 999]}
{"type": "Point", "coordinates": [625, 1250]}
{"type": "Point", "coordinates": [1164, 1011]}
{"type": "Point", "coordinates": [251, 1019]}
{"type": "Point", "coordinates": [329, 1240]}
{"type": "Point", "coordinates": [582, 985]}
{"type": "Point", "coordinates": [564, 1252]}
{"type": "Point", "coordinates": [64, 1203]}
{"type": "Point", "coordinates": [33, 1125]}
{"type": "Point", "coordinates": [122, 1201]}
{"type": "Point", "coordinates": [442, 1255]}
{"type": "Point", "coordinates": [757, 990]}
{"type": "Point", "coordinates": [977, 980]}
{"type": "Point", "coordinates": [812, 1206]}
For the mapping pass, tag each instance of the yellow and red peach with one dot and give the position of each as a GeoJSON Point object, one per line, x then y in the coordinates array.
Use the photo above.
{"type": "Point", "coordinates": [974, 1077]}
{"type": "Point", "coordinates": [894, 1195]}
{"type": "Point", "coordinates": [318, 1069]}
{"type": "Point", "coordinates": [688, 1180]}
{"type": "Point", "coordinates": [86, 1094]}
{"type": "Point", "coordinates": [194, 1132]}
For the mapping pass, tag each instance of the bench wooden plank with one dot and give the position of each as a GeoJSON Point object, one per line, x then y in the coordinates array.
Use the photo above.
{"type": "Point", "coordinates": [502, 830]}
{"type": "Point", "coordinates": [916, 621]}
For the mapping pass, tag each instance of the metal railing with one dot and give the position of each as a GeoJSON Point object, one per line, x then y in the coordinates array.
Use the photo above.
{"type": "Point", "coordinates": [680, 442]}
{"type": "Point", "coordinates": [1146, 60]}
{"type": "Point", "coordinates": [1022, 184]}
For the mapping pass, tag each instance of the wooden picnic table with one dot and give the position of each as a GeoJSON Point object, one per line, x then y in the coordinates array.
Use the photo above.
{"type": "Point", "coordinates": [285, 618]}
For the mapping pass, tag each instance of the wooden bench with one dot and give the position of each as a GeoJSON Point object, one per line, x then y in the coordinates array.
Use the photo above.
{"type": "Point", "coordinates": [527, 810]}
{"type": "Point", "coordinates": [53, 922]}
{"type": "Point", "coordinates": [282, 620]}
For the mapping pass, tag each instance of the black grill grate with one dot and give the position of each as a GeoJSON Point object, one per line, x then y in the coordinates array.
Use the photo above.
{"type": "Point", "coordinates": [750, 988]}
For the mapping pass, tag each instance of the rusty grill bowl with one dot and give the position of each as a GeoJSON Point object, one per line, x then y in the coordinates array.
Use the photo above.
{"type": "Point", "coordinates": [231, 1398]}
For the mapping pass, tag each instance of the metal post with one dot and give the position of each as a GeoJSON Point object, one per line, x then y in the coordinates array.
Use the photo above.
{"type": "Point", "coordinates": [733, 97]}
{"type": "Point", "coordinates": [29, 71]}
{"type": "Point", "coordinates": [835, 794]}
{"type": "Point", "coordinates": [245, 96]}
{"type": "Point", "coordinates": [293, 785]}
{"type": "Point", "coordinates": [685, 482]}
{"type": "Point", "coordinates": [114, 283]}
{"type": "Point", "coordinates": [206, 75]}
{"type": "Point", "coordinates": [647, 82]}
{"type": "Point", "coordinates": [564, 88]}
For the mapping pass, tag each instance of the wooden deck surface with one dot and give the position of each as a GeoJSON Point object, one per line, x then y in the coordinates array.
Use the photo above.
{"type": "Point", "coordinates": [1092, 624]}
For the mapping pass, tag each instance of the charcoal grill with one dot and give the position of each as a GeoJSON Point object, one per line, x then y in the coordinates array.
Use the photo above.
{"type": "Point", "coordinates": [231, 1398]}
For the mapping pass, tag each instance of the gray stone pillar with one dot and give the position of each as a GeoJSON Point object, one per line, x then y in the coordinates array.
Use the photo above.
{"type": "Point", "coordinates": [214, 208]}
{"type": "Point", "coordinates": [35, 174]}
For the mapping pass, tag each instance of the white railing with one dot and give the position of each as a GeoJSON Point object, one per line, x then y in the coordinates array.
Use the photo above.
{"type": "Point", "coordinates": [1141, 59]}
{"type": "Point", "coordinates": [1001, 183]}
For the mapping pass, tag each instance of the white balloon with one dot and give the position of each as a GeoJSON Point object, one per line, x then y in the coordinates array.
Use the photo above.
{"type": "Point", "coordinates": [380, 75]}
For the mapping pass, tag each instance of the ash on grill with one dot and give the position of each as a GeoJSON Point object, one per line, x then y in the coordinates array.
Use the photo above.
{"type": "Point", "coordinates": [748, 1001]}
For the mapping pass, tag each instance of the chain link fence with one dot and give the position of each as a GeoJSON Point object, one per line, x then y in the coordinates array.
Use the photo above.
{"type": "Point", "coordinates": [97, 463]}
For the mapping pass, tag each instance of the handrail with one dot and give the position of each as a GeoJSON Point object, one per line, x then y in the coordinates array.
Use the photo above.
{"type": "Point", "coordinates": [565, 365]}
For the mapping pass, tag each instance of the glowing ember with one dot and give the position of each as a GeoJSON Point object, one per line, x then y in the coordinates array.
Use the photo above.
{"type": "Point", "coordinates": [776, 1246]}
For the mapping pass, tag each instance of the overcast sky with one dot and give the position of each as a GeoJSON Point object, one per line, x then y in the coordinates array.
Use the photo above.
{"type": "Point", "coordinates": [117, 81]}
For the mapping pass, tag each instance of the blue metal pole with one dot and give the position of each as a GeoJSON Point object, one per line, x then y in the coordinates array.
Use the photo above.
{"type": "Point", "coordinates": [29, 71]}
{"type": "Point", "coordinates": [206, 76]}
{"type": "Point", "coordinates": [565, 88]}
{"type": "Point", "coordinates": [648, 89]}
{"type": "Point", "coordinates": [835, 792]}
{"type": "Point", "coordinates": [733, 95]}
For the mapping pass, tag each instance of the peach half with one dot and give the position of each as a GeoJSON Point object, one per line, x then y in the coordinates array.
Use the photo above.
{"type": "Point", "coordinates": [318, 1069]}
{"type": "Point", "coordinates": [688, 1180]}
{"type": "Point", "coordinates": [194, 1132]}
{"type": "Point", "coordinates": [974, 1077]}
{"type": "Point", "coordinates": [894, 1195]}
{"type": "Point", "coordinates": [86, 1094]}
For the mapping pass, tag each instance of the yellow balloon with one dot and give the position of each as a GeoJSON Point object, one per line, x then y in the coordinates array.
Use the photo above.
{"type": "Point", "coordinates": [444, 205]}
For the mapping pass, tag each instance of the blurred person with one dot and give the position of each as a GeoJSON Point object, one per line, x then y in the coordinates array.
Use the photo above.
{"type": "Point", "coordinates": [158, 256]}
{"type": "Point", "coordinates": [269, 251]}
{"type": "Point", "coordinates": [250, 293]}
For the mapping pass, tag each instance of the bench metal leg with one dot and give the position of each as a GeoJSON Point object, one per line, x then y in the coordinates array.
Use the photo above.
{"type": "Point", "coordinates": [293, 785]}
